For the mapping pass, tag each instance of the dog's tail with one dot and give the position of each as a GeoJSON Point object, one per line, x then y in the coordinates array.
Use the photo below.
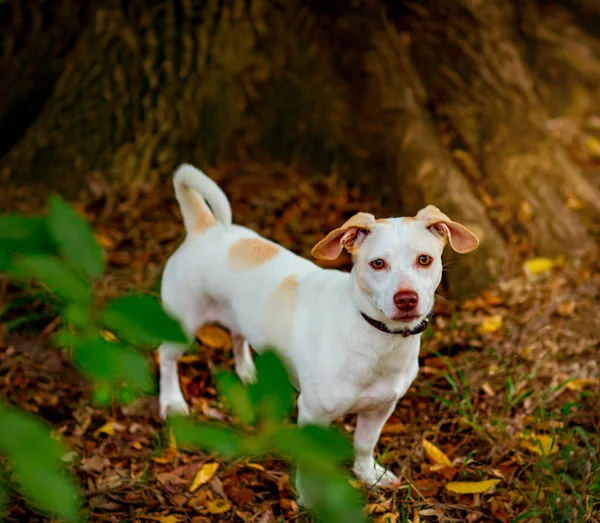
{"type": "Point", "coordinates": [193, 190]}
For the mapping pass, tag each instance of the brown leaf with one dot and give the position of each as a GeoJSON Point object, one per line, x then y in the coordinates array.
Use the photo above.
{"type": "Point", "coordinates": [427, 487]}
{"type": "Point", "coordinates": [239, 495]}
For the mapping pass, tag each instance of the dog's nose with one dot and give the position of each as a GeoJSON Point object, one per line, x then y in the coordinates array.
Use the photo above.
{"type": "Point", "coordinates": [406, 301]}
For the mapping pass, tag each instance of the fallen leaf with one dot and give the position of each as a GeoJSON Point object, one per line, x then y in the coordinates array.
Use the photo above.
{"type": "Point", "coordinates": [416, 517]}
{"type": "Point", "coordinates": [592, 144]}
{"type": "Point", "coordinates": [566, 308]}
{"type": "Point", "coordinates": [94, 464]}
{"type": "Point", "coordinates": [426, 487]}
{"type": "Point", "coordinates": [541, 444]}
{"type": "Point", "coordinates": [169, 519]}
{"type": "Point", "coordinates": [355, 484]}
{"type": "Point", "coordinates": [108, 429]}
{"type": "Point", "coordinates": [573, 203]}
{"type": "Point", "coordinates": [581, 383]}
{"type": "Point", "coordinates": [214, 337]}
{"type": "Point", "coordinates": [172, 440]}
{"type": "Point", "coordinates": [217, 506]}
{"type": "Point", "coordinates": [204, 475]}
{"type": "Point", "coordinates": [490, 324]}
{"type": "Point", "coordinates": [435, 454]}
{"type": "Point", "coordinates": [535, 266]}
{"type": "Point", "coordinates": [390, 517]}
{"type": "Point", "coordinates": [393, 428]}
{"type": "Point", "coordinates": [240, 495]}
{"type": "Point", "coordinates": [471, 487]}
{"type": "Point", "coordinates": [486, 387]}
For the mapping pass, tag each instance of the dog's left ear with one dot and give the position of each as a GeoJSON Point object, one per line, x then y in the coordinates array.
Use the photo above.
{"type": "Point", "coordinates": [348, 236]}
{"type": "Point", "coordinates": [461, 239]}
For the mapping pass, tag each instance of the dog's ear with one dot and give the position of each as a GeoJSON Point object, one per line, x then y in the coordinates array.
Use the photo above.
{"type": "Point", "coordinates": [348, 236]}
{"type": "Point", "coordinates": [461, 239]}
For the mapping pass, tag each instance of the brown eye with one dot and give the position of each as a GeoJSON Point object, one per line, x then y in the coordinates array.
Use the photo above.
{"type": "Point", "coordinates": [424, 260]}
{"type": "Point", "coordinates": [378, 264]}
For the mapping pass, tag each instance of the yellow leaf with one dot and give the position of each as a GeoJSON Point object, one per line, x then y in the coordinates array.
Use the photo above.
{"type": "Point", "coordinates": [172, 440]}
{"type": "Point", "coordinates": [355, 484]}
{"type": "Point", "coordinates": [573, 202]}
{"type": "Point", "coordinates": [490, 324]}
{"type": "Point", "coordinates": [593, 145]}
{"type": "Point", "coordinates": [254, 466]}
{"type": "Point", "coordinates": [436, 454]}
{"type": "Point", "coordinates": [217, 506]}
{"type": "Point", "coordinates": [214, 337]}
{"type": "Point", "coordinates": [541, 444]}
{"type": "Point", "coordinates": [204, 475]}
{"type": "Point", "coordinates": [169, 519]}
{"type": "Point", "coordinates": [416, 517]}
{"type": "Point", "coordinates": [108, 336]}
{"type": "Point", "coordinates": [108, 429]}
{"type": "Point", "coordinates": [538, 265]}
{"type": "Point", "coordinates": [471, 487]}
{"type": "Point", "coordinates": [581, 383]}
{"type": "Point", "coordinates": [105, 241]}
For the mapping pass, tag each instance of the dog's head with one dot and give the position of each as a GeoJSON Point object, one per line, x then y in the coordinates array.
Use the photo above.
{"type": "Point", "coordinates": [397, 262]}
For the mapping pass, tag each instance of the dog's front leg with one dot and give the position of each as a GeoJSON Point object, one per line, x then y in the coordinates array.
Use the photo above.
{"type": "Point", "coordinates": [306, 485]}
{"type": "Point", "coordinates": [171, 398]}
{"type": "Point", "coordinates": [368, 429]}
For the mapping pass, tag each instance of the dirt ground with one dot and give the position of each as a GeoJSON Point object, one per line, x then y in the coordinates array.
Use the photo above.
{"type": "Point", "coordinates": [508, 388]}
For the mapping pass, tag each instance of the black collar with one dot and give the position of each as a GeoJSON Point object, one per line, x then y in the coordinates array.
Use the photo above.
{"type": "Point", "coordinates": [405, 332]}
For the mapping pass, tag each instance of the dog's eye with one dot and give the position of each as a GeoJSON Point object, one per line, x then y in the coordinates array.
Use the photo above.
{"type": "Point", "coordinates": [378, 264]}
{"type": "Point", "coordinates": [424, 260]}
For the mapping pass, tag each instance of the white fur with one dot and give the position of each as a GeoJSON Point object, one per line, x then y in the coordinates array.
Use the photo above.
{"type": "Point", "coordinates": [339, 362]}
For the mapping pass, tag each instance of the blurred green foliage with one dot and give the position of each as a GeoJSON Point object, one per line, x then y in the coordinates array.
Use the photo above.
{"type": "Point", "coordinates": [60, 254]}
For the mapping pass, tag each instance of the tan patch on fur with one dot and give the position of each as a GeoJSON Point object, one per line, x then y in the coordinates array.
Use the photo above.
{"type": "Point", "coordinates": [382, 220]}
{"type": "Point", "coordinates": [248, 253]}
{"type": "Point", "coordinates": [278, 316]}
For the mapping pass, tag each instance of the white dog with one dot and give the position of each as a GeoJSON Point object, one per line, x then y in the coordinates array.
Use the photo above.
{"type": "Point", "coordinates": [350, 340]}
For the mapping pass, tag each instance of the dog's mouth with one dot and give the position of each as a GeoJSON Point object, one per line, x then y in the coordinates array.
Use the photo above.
{"type": "Point", "coordinates": [407, 317]}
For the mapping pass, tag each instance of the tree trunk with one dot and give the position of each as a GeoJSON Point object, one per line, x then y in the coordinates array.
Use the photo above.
{"type": "Point", "coordinates": [483, 93]}
{"type": "Point", "coordinates": [443, 102]}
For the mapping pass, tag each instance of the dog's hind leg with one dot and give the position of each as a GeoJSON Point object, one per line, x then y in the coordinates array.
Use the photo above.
{"type": "Point", "coordinates": [244, 364]}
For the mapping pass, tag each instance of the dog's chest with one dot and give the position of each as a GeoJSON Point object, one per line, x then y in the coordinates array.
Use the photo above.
{"type": "Point", "coordinates": [385, 384]}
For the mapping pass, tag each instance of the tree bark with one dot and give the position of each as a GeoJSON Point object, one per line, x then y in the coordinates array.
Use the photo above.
{"type": "Point", "coordinates": [482, 90]}
{"type": "Point", "coordinates": [424, 169]}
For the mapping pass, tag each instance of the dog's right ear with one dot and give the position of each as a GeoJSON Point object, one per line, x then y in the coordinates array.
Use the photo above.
{"type": "Point", "coordinates": [348, 236]}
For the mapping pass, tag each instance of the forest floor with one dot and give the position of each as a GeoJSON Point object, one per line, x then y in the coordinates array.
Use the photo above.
{"type": "Point", "coordinates": [508, 388]}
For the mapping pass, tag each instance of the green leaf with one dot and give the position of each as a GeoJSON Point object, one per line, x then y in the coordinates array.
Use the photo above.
{"type": "Point", "coordinates": [142, 319]}
{"type": "Point", "coordinates": [21, 234]}
{"type": "Point", "coordinates": [107, 362]}
{"type": "Point", "coordinates": [272, 393]}
{"type": "Point", "coordinates": [59, 278]}
{"type": "Point", "coordinates": [222, 440]}
{"type": "Point", "coordinates": [336, 501]}
{"type": "Point", "coordinates": [74, 237]}
{"type": "Point", "coordinates": [237, 395]}
{"type": "Point", "coordinates": [319, 447]}
{"type": "Point", "coordinates": [35, 457]}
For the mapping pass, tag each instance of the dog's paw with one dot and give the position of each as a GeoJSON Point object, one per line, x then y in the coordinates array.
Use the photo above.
{"type": "Point", "coordinates": [170, 406]}
{"type": "Point", "coordinates": [375, 476]}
